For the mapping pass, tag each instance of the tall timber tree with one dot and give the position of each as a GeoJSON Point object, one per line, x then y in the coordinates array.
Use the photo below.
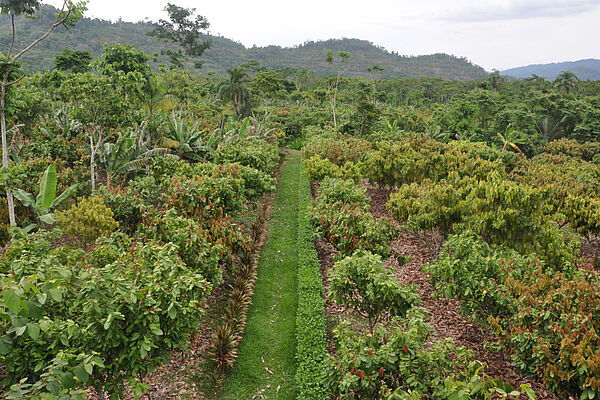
{"type": "Point", "coordinates": [182, 30]}
{"type": "Point", "coordinates": [10, 68]}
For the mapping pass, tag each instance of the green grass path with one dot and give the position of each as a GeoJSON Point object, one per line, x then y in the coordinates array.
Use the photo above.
{"type": "Point", "coordinates": [266, 365]}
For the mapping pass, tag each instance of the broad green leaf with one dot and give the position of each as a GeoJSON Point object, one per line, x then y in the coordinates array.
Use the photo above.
{"type": "Point", "coordinates": [34, 330]}
{"type": "Point", "coordinates": [81, 373]}
{"type": "Point", "coordinates": [20, 330]}
{"type": "Point", "coordinates": [48, 218]}
{"type": "Point", "coordinates": [156, 330]}
{"type": "Point", "coordinates": [42, 298]}
{"type": "Point", "coordinates": [56, 294]}
{"type": "Point", "coordinates": [30, 228]}
{"type": "Point", "coordinates": [47, 189]}
{"type": "Point", "coordinates": [63, 196]}
{"type": "Point", "coordinates": [89, 368]}
{"type": "Point", "coordinates": [108, 321]}
{"type": "Point", "coordinates": [25, 198]}
{"type": "Point", "coordinates": [67, 380]}
{"type": "Point", "coordinates": [12, 301]}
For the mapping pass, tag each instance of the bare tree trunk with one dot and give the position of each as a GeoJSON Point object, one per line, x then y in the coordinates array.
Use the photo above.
{"type": "Point", "coordinates": [92, 163]}
{"type": "Point", "coordinates": [93, 151]}
{"type": "Point", "coordinates": [9, 194]}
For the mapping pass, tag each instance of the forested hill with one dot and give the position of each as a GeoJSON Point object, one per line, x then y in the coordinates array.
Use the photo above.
{"type": "Point", "coordinates": [584, 69]}
{"type": "Point", "coordinates": [91, 34]}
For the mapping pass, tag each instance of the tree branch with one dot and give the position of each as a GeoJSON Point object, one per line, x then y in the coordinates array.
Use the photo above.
{"type": "Point", "coordinates": [12, 41]}
{"type": "Point", "coordinates": [56, 23]}
{"type": "Point", "coordinates": [15, 81]}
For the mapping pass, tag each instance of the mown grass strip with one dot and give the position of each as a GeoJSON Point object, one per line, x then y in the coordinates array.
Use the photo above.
{"type": "Point", "coordinates": [266, 365]}
{"type": "Point", "coordinates": [310, 319]}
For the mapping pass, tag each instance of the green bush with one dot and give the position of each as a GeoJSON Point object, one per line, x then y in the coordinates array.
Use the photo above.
{"type": "Point", "coordinates": [547, 320]}
{"type": "Point", "coordinates": [318, 168]}
{"type": "Point", "coordinates": [474, 272]}
{"type": "Point", "coordinates": [192, 241]}
{"type": "Point", "coordinates": [362, 283]}
{"type": "Point", "coordinates": [396, 363]}
{"type": "Point", "coordinates": [126, 205]}
{"type": "Point", "coordinates": [500, 211]}
{"type": "Point", "coordinates": [257, 154]}
{"type": "Point", "coordinates": [554, 331]}
{"type": "Point", "coordinates": [395, 164]}
{"type": "Point", "coordinates": [349, 227]}
{"type": "Point", "coordinates": [114, 321]}
{"type": "Point", "coordinates": [334, 190]}
{"type": "Point", "coordinates": [337, 150]}
{"type": "Point", "coordinates": [87, 220]}
{"type": "Point", "coordinates": [205, 196]}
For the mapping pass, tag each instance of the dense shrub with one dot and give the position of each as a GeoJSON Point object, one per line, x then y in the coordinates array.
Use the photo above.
{"type": "Point", "coordinates": [428, 205]}
{"type": "Point", "coordinates": [568, 147]}
{"type": "Point", "coordinates": [257, 154]}
{"type": "Point", "coordinates": [500, 211]}
{"type": "Point", "coordinates": [333, 190]}
{"type": "Point", "coordinates": [349, 227]}
{"type": "Point", "coordinates": [204, 197]}
{"type": "Point", "coordinates": [362, 283]}
{"type": "Point", "coordinates": [405, 162]}
{"type": "Point", "coordinates": [554, 330]}
{"type": "Point", "coordinates": [396, 363]}
{"type": "Point", "coordinates": [87, 220]}
{"type": "Point", "coordinates": [318, 168]}
{"type": "Point", "coordinates": [474, 272]}
{"type": "Point", "coordinates": [548, 320]}
{"type": "Point", "coordinates": [509, 160]}
{"type": "Point", "coordinates": [337, 150]}
{"type": "Point", "coordinates": [126, 205]}
{"type": "Point", "coordinates": [122, 316]}
{"type": "Point", "coordinates": [192, 241]}
{"type": "Point", "coordinates": [395, 164]}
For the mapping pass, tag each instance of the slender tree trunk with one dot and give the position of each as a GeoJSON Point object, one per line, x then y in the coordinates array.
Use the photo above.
{"type": "Point", "coordinates": [9, 194]}
{"type": "Point", "coordinates": [93, 150]}
{"type": "Point", "coordinates": [235, 103]}
{"type": "Point", "coordinates": [100, 392]}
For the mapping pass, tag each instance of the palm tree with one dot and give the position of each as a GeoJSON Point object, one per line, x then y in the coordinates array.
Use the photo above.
{"type": "Point", "coordinates": [566, 81]}
{"type": "Point", "coordinates": [233, 89]}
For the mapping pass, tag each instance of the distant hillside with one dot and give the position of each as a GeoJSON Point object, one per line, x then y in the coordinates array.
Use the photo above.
{"type": "Point", "coordinates": [584, 69]}
{"type": "Point", "coordinates": [91, 34]}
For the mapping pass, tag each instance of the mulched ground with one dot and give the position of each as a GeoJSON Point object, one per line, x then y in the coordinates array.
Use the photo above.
{"type": "Point", "coordinates": [444, 313]}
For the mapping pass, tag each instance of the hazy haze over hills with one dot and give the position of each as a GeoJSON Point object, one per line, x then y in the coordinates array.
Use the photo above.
{"type": "Point", "coordinates": [584, 69]}
{"type": "Point", "coordinates": [496, 34]}
{"type": "Point", "coordinates": [91, 34]}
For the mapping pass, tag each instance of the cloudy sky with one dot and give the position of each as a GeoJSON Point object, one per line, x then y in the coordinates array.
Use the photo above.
{"type": "Point", "coordinates": [496, 34]}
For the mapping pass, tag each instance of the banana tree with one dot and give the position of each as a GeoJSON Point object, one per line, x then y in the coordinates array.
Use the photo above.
{"type": "Point", "coordinates": [46, 201]}
{"type": "Point", "coordinates": [127, 155]}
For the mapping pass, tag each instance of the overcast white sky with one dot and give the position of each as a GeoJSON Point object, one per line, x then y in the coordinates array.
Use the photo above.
{"type": "Point", "coordinates": [496, 34]}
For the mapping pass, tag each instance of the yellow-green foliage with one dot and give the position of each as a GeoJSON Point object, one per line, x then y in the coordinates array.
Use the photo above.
{"type": "Point", "coordinates": [87, 220]}
{"type": "Point", "coordinates": [318, 168]}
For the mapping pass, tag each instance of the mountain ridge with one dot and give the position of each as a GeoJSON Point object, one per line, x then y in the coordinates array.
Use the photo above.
{"type": "Point", "coordinates": [588, 68]}
{"type": "Point", "coordinates": [91, 34]}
